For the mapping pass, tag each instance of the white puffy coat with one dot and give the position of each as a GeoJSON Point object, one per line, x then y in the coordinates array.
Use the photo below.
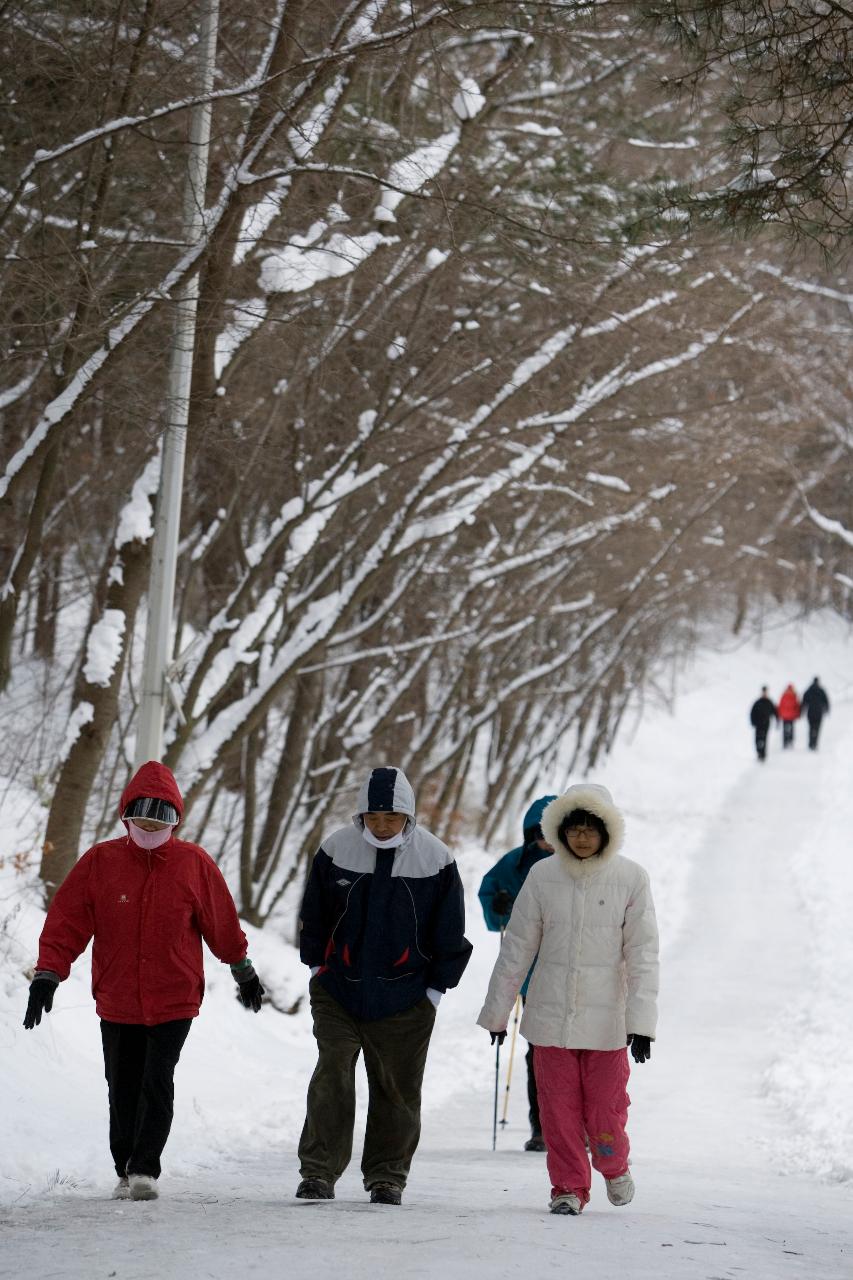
{"type": "Point", "coordinates": [592, 923]}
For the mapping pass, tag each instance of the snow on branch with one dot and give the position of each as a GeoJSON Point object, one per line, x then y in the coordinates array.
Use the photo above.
{"type": "Point", "coordinates": [414, 171]}
{"type": "Point", "coordinates": [103, 648]}
{"type": "Point", "coordinates": [828, 525]}
{"type": "Point", "coordinates": [136, 520]}
{"type": "Point", "coordinates": [301, 265]}
{"type": "Point", "coordinates": [83, 714]}
{"type": "Point", "coordinates": [20, 389]}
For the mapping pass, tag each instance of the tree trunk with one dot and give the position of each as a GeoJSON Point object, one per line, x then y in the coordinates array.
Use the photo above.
{"type": "Point", "coordinates": [23, 566]}
{"type": "Point", "coordinates": [289, 772]}
{"type": "Point", "coordinates": [80, 768]}
{"type": "Point", "coordinates": [47, 605]}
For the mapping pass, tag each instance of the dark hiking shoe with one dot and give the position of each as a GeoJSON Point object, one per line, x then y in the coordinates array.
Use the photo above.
{"type": "Point", "coordinates": [535, 1143]}
{"type": "Point", "coordinates": [385, 1193]}
{"type": "Point", "coordinates": [315, 1189]}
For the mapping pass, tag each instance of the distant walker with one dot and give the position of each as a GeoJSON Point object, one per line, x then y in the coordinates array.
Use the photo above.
{"type": "Point", "coordinates": [762, 712]}
{"type": "Point", "coordinates": [789, 713]}
{"type": "Point", "coordinates": [815, 706]}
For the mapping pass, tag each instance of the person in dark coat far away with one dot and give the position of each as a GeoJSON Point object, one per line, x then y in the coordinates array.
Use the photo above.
{"type": "Point", "coordinates": [147, 899]}
{"type": "Point", "coordinates": [762, 712]}
{"type": "Point", "coordinates": [382, 930]}
{"type": "Point", "coordinates": [816, 706]}
{"type": "Point", "coordinates": [498, 891]}
{"type": "Point", "coordinates": [789, 712]}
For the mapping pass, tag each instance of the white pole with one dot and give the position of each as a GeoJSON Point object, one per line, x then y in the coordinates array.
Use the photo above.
{"type": "Point", "coordinates": [164, 556]}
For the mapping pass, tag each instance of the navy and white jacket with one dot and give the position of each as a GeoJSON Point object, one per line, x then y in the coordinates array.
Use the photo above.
{"type": "Point", "coordinates": [382, 925]}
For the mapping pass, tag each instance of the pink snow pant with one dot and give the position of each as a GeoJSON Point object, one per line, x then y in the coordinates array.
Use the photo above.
{"type": "Point", "coordinates": [583, 1093]}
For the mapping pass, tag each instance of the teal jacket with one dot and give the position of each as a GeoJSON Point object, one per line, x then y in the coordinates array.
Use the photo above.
{"type": "Point", "coordinates": [510, 872]}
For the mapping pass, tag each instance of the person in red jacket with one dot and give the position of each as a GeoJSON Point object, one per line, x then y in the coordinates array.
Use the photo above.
{"type": "Point", "coordinates": [147, 899]}
{"type": "Point", "coordinates": [789, 711]}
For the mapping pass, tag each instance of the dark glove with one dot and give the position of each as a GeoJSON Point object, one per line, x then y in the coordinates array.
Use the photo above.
{"type": "Point", "coordinates": [502, 903]}
{"type": "Point", "coordinates": [249, 986]}
{"type": "Point", "coordinates": [641, 1047]}
{"type": "Point", "coordinates": [42, 991]}
{"type": "Point", "coordinates": [250, 993]}
{"type": "Point", "coordinates": [498, 1036]}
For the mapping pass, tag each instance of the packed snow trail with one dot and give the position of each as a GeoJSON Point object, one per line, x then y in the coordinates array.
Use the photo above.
{"type": "Point", "coordinates": [768, 891]}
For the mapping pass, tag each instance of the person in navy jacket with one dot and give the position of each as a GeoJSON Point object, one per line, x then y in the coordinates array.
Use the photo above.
{"type": "Point", "coordinates": [498, 891]}
{"type": "Point", "coordinates": [815, 706]}
{"type": "Point", "coordinates": [382, 930]}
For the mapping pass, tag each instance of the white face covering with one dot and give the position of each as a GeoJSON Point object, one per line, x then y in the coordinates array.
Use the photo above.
{"type": "Point", "coordinates": [393, 842]}
{"type": "Point", "coordinates": [148, 839]}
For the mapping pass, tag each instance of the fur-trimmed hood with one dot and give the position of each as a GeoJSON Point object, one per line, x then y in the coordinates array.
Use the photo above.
{"type": "Point", "coordinates": [595, 799]}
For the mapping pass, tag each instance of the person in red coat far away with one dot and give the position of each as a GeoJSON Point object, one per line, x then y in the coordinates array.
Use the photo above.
{"type": "Point", "coordinates": [789, 711]}
{"type": "Point", "coordinates": [147, 899]}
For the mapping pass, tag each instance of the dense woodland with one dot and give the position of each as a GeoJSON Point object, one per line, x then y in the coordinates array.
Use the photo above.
{"type": "Point", "coordinates": [522, 362]}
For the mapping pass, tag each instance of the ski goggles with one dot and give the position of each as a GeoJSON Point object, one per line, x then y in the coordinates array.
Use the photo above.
{"type": "Point", "coordinates": [152, 809]}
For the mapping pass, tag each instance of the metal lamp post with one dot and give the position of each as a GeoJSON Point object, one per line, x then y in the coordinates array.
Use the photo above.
{"type": "Point", "coordinates": [161, 592]}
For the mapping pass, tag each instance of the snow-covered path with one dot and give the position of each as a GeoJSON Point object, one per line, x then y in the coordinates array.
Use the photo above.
{"type": "Point", "coordinates": [752, 1028]}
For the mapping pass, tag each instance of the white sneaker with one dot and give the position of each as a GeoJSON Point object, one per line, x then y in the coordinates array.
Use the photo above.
{"type": "Point", "coordinates": [142, 1186]}
{"type": "Point", "coordinates": [620, 1190]}
{"type": "Point", "coordinates": [566, 1203]}
{"type": "Point", "coordinates": [121, 1190]}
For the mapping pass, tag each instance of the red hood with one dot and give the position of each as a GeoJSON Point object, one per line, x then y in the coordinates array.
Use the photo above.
{"type": "Point", "coordinates": [156, 781]}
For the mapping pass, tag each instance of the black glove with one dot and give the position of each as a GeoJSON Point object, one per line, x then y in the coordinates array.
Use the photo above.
{"type": "Point", "coordinates": [249, 986]}
{"type": "Point", "coordinates": [250, 992]}
{"type": "Point", "coordinates": [641, 1047]}
{"type": "Point", "coordinates": [502, 903]}
{"type": "Point", "coordinates": [498, 1036]}
{"type": "Point", "coordinates": [42, 991]}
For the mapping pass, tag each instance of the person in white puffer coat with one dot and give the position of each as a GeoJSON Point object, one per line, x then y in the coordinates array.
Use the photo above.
{"type": "Point", "coordinates": [588, 913]}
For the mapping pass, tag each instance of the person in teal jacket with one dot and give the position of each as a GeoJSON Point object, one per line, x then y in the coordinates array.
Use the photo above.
{"type": "Point", "coordinates": [499, 889]}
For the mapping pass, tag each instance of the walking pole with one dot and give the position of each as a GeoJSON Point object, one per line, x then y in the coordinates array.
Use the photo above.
{"type": "Point", "coordinates": [497, 1075]}
{"type": "Point", "coordinates": [511, 1059]}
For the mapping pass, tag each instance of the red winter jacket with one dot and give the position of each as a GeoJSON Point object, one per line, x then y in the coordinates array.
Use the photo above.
{"type": "Point", "coordinates": [789, 705]}
{"type": "Point", "coordinates": [147, 912]}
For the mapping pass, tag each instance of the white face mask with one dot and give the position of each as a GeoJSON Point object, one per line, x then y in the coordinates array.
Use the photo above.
{"type": "Point", "coordinates": [393, 842]}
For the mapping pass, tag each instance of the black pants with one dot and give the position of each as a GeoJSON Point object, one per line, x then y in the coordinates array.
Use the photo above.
{"type": "Point", "coordinates": [814, 731]}
{"type": "Point", "coordinates": [139, 1064]}
{"type": "Point", "coordinates": [761, 740]}
{"type": "Point", "coordinates": [532, 1095]}
{"type": "Point", "coordinates": [787, 733]}
{"type": "Point", "coordinates": [395, 1052]}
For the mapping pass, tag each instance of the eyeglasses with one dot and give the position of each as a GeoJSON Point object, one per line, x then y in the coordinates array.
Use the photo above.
{"type": "Point", "coordinates": [582, 831]}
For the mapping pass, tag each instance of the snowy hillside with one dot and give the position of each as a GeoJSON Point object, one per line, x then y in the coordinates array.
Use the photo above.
{"type": "Point", "coordinates": [741, 1124]}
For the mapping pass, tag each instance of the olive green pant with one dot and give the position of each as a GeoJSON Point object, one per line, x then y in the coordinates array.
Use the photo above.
{"type": "Point", "coordinates": [395, 1051]}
